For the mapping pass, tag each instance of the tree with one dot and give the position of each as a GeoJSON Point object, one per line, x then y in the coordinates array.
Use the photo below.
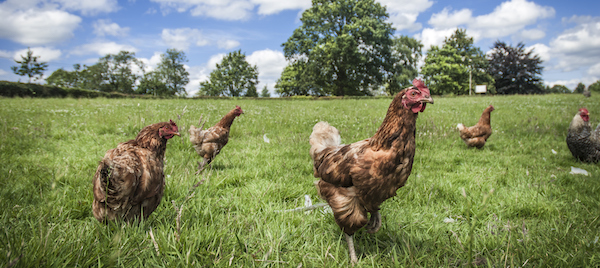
{"type": "Point", "coordinates": [30, 66]}
{"type": "Point", "coordinates": [594, 86]}
{"type": "Point", "coordinates": [234, 76]}
{"type": "Point", "coordinates": [558, 89]}
{"type": "Point", "coordinates": [265, 93]}
{"type": "Point", "coordinates": [251, 92]}
{"type": "Point", "coordinates": [171, 71]}
{"type": "Point", "coordinates": [406, 53]}
{"type": "Point", "coordinates": [456, 66]}
{"type": "Point", "coordinates": [117, 71]}
{"type": "Point", "coordinates": [295, 81]}
{"type": "Point", "coordinates": [66, 79]}
{"type": "Point", "coordinates": [515, 70]}
{"type": "Point", "coordinates": [580, 88]}
{"type": "Point", "coordinates": [152, 83]}
{"type": "Point", "coordinates": [343, 45]}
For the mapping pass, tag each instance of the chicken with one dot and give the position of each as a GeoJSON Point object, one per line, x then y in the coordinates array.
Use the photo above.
{"type": "Point", "coordinates": [584, 143]}
{"type": "Point", "coordinates": [208, 143]}
{"type": "Point", "coordinates": [129, 181]}
{"type": "Point", "coordinates": [477, 135]}
{"type": "Point", "coordinates": [356, 178]}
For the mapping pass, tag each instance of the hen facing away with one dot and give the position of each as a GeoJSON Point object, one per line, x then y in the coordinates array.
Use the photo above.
{"type": "Point", "coordinates": [209, 142]}
{"type": "Point", "coordinates": [356, 178]}
{"type": "Point", "coordinates": [129, 181]}
{"type": "Point", "coordinates": [583, 143]}
{"type": "Point", "coordinates": [477, 135]}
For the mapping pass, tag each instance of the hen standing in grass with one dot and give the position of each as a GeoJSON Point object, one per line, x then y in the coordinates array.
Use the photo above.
{"type": "Point", "coordinates": [356, 178]}
{"type": "Point", "coordinates": [477, 135]}
{"type": "Point", "coordinates": [584, 143]}
{"type": "Point", "coordinates": [129, 181]}
{"type": "Point", "coordinates": [208, 143]}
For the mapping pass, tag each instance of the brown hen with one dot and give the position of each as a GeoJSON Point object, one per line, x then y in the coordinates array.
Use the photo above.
{"type": "Point", "coordinates": [129, 181]}
{"type": "Point", "coordinates": [356, 178]}
{"type": "Point", "coordinates": [477, 135]}
{"type": "Point", "coordinates": [209, 142]}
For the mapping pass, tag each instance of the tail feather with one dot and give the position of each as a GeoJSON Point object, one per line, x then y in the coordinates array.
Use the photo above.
{"type": "Point", "coordinates": [460, 127]}
{"type": "Point", "coordinates": [323, 136]}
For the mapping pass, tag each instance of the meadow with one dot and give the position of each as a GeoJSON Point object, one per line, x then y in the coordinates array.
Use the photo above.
{"type": "Point", "coordinates": [513, 203]}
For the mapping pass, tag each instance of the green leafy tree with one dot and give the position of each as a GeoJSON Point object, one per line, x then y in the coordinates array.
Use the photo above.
{"type": "Point", "coordinates": [457, 66]}
{"type": "Point", "coordinates": [580, 88]}
{"type": "Point", "coordinates": [345, 46]}
{"type": "Point", "coordinates": [234, 76]}
{"type": "Point", "coordinates": [265, 93]}
{"type": "Point", "coordinates": [594, 86]}
{"type": "Point", "coordinates": [515, 70]}
{"type": "Point", "coordinates": [406, 53]}
{"type": "Point", "coordinates": [92, 77]}
{"type": "Point", "coordinates": [295, 81]}
{"type": "Point", "coordinates": [559, 89]}
{"type": "Point", "coordinates": [251, 92]}
{"type": "Point", "coordinates": [117, 71]}
{"type": "Point", "coordinates": [172, 72]}
{"type": "Point", "coordinates": [153, 83]}
{"type": "Point", "coordinates": [30, 66]}
{"type": "Point", "coordinates": [63, 78]}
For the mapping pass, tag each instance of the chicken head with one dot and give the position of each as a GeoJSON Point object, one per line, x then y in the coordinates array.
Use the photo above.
{"type": "Point", "coordinates": [169, 131]}
{"type": "Point", "coordinates": [417, 97]}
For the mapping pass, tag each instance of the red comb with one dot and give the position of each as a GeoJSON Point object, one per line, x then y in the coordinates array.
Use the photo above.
{"type": "Point", "coordinates": [172, 123]}
{"type": "Point", "coordinates": [420, 85]}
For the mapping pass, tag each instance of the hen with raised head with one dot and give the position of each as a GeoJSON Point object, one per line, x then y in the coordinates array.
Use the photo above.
{"type": "Point", "coordinates": [584, 143]}
{"type": "Point", "coordinates": [356, 178]}
{"type": "Point", "coordinates": [209, 142]}
{"type": "Point", "coordinates": [130, 181]}
{"type": "Point", "coordinates": [477, 135]}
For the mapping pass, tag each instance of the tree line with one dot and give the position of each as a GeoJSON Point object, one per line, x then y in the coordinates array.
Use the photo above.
{"type": "Point", "coordinates": [342, 47]}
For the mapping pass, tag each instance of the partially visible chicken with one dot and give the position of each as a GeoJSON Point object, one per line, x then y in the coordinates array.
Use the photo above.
{"type": "Point", "coordinates": [477, 135]}
{"type": "Point", "coordinates": [208, 143]}
{"type": "Point", "coordinates": [584, 143]}
{"type": "Point", "coordinates": [356, 178]}
{"type": "Point", "coordinates": [129, 181]}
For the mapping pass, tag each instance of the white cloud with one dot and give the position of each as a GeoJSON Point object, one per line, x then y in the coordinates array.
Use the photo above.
{"type": "Point", "coordinates": [183, 38]}
{"type": "Point", "coordinates": [228, 44]}
{"type": "Point", "coordinates": [509, 18]}
{"type": "Point", "coordinates": [3, 72]}
{"type": "Point", "coordinates": [89, 7]}
{"type": "Point", "coordinates": [531, 34]}
{"type": "Point", "coordinates": [542, 50]}
{"type": "Point", "coordinates": [404, 13]}
{"type": "Point", "coordinates": [45, 54]}
{"type": "Point", "coordinates": [268, 7]}
{"type": "Point", "coordinates": [231, 9]}
{"type": "Point", "coordinates": [270, 64]}
{"type": "Point", "coordinates": [106, 27]}
{"type": "Point", "coordinates": [446, 20]}
{"type": "Point", "coordinates": [579, 46]}
{"type": "Point", "coordinates": [151, 63]}
{"type": "Point", "coordinates": [103, 48]}
{"type": "Point", "coordinates": [36, 27]}
{"type": "Point", "coordinates": [594, 71]}
{"type": "Point", "coordinates": [433, 37]}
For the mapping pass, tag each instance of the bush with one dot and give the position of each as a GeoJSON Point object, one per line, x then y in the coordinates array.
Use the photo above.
{"type": "Point", "coordinates": [17, 89]}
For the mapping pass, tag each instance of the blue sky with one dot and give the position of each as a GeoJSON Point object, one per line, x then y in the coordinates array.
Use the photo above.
{"type": "Point", "coordinates": [566, 34]}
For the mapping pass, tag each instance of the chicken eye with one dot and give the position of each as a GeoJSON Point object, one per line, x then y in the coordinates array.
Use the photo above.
{"type": "Point", "coordinates": [412, 94]}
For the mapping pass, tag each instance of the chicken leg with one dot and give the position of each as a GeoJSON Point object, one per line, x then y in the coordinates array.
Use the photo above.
{"type": "Point", "coordinates": [351, 250]}
{"type": "Point", "coordinates": [374, 223]}
{"type": "Point", "coordinates": [201, 165]}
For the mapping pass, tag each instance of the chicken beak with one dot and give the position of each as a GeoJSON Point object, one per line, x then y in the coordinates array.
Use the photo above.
{"type": "Point", "coordinates": [427, 99]}
{"type": "Point", "coordinates": [177, 134]}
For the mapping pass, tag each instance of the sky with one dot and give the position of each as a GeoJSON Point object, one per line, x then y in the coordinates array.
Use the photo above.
{"type": "Point", "coordinates": [565, 34]}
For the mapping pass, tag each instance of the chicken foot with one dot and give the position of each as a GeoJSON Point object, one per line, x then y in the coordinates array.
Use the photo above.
{"type": "Point", "coordinates": [353, 258]}
{"type": "Point", "coordinates": [201, 166]}
{"type": "Point", "coordinates": [374, 222]}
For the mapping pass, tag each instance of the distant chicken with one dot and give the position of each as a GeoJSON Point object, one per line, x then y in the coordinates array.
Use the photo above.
{"type": "Point", "coordinates": [129, 181]}
{"type": "Point", "coordinates": [477, 135]}
{"type": "Point", "coordinates": [208, 143]}
{"type": "Point", "coordinates": [584, 143]}
{"type": "Point", "coordinates": [356, 178]}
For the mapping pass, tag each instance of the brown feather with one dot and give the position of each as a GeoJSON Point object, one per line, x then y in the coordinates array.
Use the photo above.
{"type": "Point", "coordinates": [356, 178]}
{"type": "Point", "coordinates": [208, 143]}
{"type": "Point", "coordinates": [477, 135]}
{"type": "Point", "coordinates": [129, 181]}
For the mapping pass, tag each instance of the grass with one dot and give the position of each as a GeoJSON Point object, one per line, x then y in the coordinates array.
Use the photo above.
{"type": "Point", "coordinates": [513, 203]}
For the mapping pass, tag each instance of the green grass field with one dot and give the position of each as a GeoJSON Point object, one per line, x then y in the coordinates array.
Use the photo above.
{"type": "Point", "coordinates": [513, 203]}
